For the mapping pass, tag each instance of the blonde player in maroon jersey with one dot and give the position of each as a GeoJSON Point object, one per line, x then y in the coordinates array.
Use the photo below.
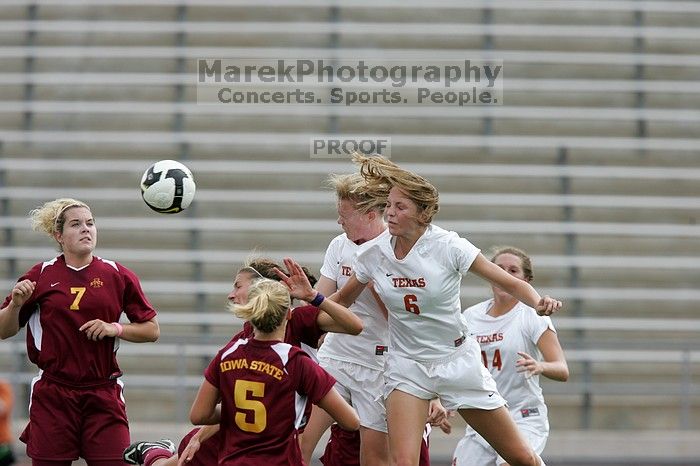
{"type": "Point", "coordinates": [200, 447]}
{"type": "Point", "coordinates": [72, 305]}
{"type": "Point", "coordinates": [265, 384]}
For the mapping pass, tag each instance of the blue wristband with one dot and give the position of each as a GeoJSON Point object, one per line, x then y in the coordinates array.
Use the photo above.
{"type": "Point", "coordinates": [316, 302]}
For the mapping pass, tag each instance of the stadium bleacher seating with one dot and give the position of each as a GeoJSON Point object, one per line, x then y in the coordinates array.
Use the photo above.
{"type": "Point", "coordinates": [591, 165]}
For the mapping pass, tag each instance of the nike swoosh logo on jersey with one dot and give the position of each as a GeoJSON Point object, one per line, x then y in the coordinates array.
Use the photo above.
{"type": "Point", "coordinates": [389, 274]}
{"type": "Point", "coordinates": [54, 284]}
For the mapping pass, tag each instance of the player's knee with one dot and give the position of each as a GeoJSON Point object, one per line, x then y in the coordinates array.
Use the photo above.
{"type": "Point", "coordinates": [404, 460]}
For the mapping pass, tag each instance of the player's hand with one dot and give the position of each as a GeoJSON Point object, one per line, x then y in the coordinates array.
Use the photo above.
{"type": "Point", "coordinates": [97, 329]}
{"type": "Point", "coordinates": [528, 364]}
{"type": "Point", "coordinates": [436, 412]}
{"type": "Point", "coordinates": [22, 291]}
{"type": "Point", "coordinates": [445, 425]}
{"type": "Point", "coordinates": [190, 450]}
{"type": "Point", "coordinates": [296, 281]}
{"type": "Point", "coordinates": [547, 306]}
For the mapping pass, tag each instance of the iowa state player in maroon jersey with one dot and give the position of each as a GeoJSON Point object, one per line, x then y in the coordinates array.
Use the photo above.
{"type": "Point", "coordinates": [200, 447]}
{"type": "Point", "coordinates": [72, 305]}
{"type": "Point", "coordinates": [264, 386]}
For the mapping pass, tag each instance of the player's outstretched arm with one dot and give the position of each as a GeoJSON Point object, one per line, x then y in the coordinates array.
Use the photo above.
{"type": "Point", "coordinates": [519, 289]}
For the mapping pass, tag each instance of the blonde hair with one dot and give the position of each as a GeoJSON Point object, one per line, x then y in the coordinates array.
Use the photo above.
{"type": "Point", "coordinates": [351, 187]}
{"type": "Point", "coordinates": [267, 306]}
{"type": "Point", "coordinates": [381, 175]}
{"type": "Point", "coordinates": [50, 217]}
{"type": "Point", "coordinates": [525, 261]}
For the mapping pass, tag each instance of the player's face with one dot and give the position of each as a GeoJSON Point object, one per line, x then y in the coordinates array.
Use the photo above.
{"type": "Point", "coordinates": [354, 223]}
{"type": "Point", "coordinates": [511, 264]}
{"type": "Point", "coordinates": [239, 294]}
{"type": "Point", "coordinates": [79, 235]}
{"type": "Point", "coordinates": [401, 214]}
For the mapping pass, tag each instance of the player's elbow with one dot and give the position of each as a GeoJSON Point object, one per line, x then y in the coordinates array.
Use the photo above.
{"type": "Point", "coordinates": [356, 327]}
{"type": "Point", "coordinates": [6, 333]}
{"type": "Point", "coordinates": [153, 333]}
{"type": "Point", "coordinates": [199, 417]}
{"type": "Point", "coordinates": [350, 422]}
{"type": "Point", "coordinates": [565, 374]}
{"type": "Point", "coordinates": [560, 373]}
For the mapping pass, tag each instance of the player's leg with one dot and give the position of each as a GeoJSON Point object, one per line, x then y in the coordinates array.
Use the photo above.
{"type": "Point", "coordinates": [499, 430]}
{"type": "Point", "coordinates": [536, 438]}
{"type": "Point", "coordinates": [473, 450]}
{"type": "Point", "coordinates": [319, 422]}
{"type": "Point", "coordinates": [374, 447]}
{"type": "Point", "coordinates": [406, 415]}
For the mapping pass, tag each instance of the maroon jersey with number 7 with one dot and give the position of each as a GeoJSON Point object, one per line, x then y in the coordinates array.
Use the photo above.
{"type": "Point", "coordinates": [63, 300]}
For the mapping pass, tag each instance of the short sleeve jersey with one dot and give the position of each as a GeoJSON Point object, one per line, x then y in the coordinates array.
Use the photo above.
{"type": "Point", "coordinates": [265, 387]}
{"type": "Point", "coordinates": [63, 300]}
{"type": "Point", "coordinates": [500, 339]}
{"type": "Point", "coordinates": [421, 291]}
{"type": "Point", "coordinates": [359, 349]}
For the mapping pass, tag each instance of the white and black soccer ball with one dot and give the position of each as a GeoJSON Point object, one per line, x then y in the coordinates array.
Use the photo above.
{"type": "Point", "coordinates": [167, 187]}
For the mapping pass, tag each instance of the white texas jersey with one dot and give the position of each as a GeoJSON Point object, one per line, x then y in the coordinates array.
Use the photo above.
{"type": "Point", "coordinates": [368, 348]}
{"type": "Point", "coordinates": [500, 339]}
{"type": "Point", "coordinates": [421, 291]}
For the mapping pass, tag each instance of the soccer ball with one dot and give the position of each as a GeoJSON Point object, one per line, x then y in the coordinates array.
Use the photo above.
{"type": "Point", "coordinates": [167, 187]}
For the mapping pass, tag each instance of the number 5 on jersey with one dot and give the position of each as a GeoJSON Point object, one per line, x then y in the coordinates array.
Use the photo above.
{"type": "Point", "coordinates": [243, 391]}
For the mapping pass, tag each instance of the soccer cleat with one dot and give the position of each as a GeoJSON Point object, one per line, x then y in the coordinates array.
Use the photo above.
{"type": "Point", "coordinates": [134, 453]}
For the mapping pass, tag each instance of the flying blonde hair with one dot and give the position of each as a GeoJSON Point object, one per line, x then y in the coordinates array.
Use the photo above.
{"type": "Point", "coordinates": [50, 217]}
{"type": "Point", "coordinates": [267, 306]}
{"type": "Point", "coordinates": [352, 187]}
{"type": "Point", "coordinates": [381, 175]}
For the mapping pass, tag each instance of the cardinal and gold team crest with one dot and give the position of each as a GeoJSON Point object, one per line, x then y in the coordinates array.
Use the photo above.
{"type": "Point", "coordinates": [96, 283]}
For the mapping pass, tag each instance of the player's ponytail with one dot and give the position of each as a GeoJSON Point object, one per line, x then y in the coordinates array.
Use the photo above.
{"type": "Point", "coordinates": [267, 306]}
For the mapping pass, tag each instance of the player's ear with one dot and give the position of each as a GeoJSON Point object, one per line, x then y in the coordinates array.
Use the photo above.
{"type": "Point", "coordinates": [289, 314]}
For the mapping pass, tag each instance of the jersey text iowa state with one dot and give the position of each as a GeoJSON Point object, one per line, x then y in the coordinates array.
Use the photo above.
{"type": "Point", "coordinates": [402, 282]}
{"type": "Point", "coordinates": [260, 366]}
